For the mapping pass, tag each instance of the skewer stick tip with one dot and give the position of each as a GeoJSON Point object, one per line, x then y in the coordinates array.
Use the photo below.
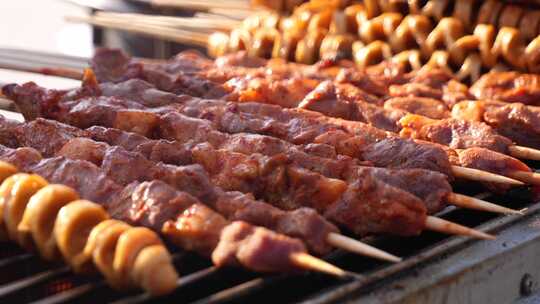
{"type": "Point", "coordinates": [355, 246]}
{"type": "Point", "coordinates": [531, 178]}
{"type": "Point", "coordinates": [468, 202]}
{"type": "Point", "coordinates": [444, 226]}
{"type": "Point", "coordinates": [309, 262]}
{"type": "Point", "coordinates": [524, 152]}
{"type": "Point", "coordinates": [483, 176]}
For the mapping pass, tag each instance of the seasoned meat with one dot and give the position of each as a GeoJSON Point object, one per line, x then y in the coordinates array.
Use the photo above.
{"type": "Point", "coordinates": [428, 107]}
{"type": "Point", "coordinates": [363, 81]}
{"type": "Point", "coordinates": [397, 154]}
{"type": "Point", "coordinates": [491, 161]}
{"type": "Point", "coordinates": [338, 101]}
{"type": "Point", "coordinates": [517, 121]}
{"type": "Point", "coordinates": [414, 89]}
{"type": "Point", "coordinates": [379, 200]}
{"type": "Point", "coordinates": [153, 203]}
{"type": "Point", "coordinates": [508, 87]}
{"type": "Point", "coordinates": [455, 133]}
{"type": "Point", "coordinates": [259, 248]}
{"type": "Point", "coordinates": [286, 93]}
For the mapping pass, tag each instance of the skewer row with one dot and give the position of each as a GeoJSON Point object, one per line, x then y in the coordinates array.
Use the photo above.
{"type": "Point", "coordinates": [53, 220]}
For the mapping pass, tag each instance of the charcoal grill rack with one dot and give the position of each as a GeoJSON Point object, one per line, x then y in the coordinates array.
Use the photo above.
{"type": "Point", "coordinates": [436, 268]}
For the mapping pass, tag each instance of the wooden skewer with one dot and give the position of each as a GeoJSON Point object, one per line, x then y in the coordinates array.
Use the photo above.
{"type": "Point", "coordinates": [444, 226]}
{"type": "Point", "coordinates": [202, 5]}
{"type": "Point", "coordinates": [176, 35]}
{"type": "Point", "coordinates": [310, 262]}
{"type": "Point", "coordinates": [483, 176]}
{"type": "Point", "coordinates": [193, 23]}
{"type": "Point", "coordinates": [524, 152]}
{"type": "Point", "coordinates": [532, 178]}
{"type": "Point", "coordinates": [465, 201]}
{"type": "Point", "coordinates": [340, 241]}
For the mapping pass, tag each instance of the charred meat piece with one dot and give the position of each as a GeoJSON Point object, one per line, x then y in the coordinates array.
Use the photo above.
{"type": "Point", "coordinates": [455, 133]}
{"type": "Point", "coordinates": [508, 87]}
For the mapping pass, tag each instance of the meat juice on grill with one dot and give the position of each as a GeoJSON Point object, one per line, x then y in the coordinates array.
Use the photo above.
{"type": "Point", "coordinates": [155, 204]}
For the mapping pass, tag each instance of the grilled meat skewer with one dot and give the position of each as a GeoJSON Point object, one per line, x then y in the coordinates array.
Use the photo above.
{"type": "Point", "coordinates": [293, 125]}
{"type": "Point", "coordinates": [180, 217]}
{"type": "Point", "coordinates": [54, 220]}
{"type": "Point", "coordinates": [124, 167]}
{"type": "Point", "coordinates": [214, 139]}
{"type": "Point", "coordinates": [326, 99]}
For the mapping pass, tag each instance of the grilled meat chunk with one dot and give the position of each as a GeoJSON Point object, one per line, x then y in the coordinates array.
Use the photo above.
{"type": "Point", "coordinates": [508, 87]}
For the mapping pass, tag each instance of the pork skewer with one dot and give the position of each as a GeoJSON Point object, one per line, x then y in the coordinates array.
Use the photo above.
{"type": "Point", "coordinates": [518, 151]}
{"type": "Point", "coordinates": [181, 218]}
{"type": "Point", "coordinates": [124, 167]}
{"type": "Point", "coordinates": [161, 124]}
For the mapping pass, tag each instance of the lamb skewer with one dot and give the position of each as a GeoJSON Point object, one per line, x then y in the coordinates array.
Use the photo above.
{"type": "Point", "coordinates": [392, 118]}
{"type": "Point", "coordinates": [161, 124]}
{"type": "Point", "coordinates": [344, 168]}
{"type": "Point", "coordinates": [313, 123]}
{"type": "Point", "coordinates": [124, 167]}
{"type": "Point", "coordinates": [180, 219]}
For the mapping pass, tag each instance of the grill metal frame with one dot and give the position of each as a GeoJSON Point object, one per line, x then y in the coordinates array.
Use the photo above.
{"type": "Point", "coordinates": [436, 268]}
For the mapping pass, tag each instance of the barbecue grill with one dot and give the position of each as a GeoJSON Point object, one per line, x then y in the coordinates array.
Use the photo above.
{"type": "Point", "coordinates": [435, 269]}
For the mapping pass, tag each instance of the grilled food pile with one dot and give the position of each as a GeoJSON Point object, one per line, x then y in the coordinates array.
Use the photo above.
{"type": "Point", "coordinates": [466, 37]}
{"type": "Point", "coordinates": [261, 162]}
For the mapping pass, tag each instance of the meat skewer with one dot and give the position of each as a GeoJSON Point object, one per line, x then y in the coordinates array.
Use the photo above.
{"type": "Point", "coordinates": [54, 219]}
{"type": "Point", "coordinates": [191, 135]}
{"type": "Point", "coordinates": [288, 133]}
{"type": "Point", "coordinates": [388, 190]}
{"type": "Point", "coordinates": [67, 141]}
{"type": "Point", "coordinates": [316, 102]}
{"type": "Point", "coordinates": [181, 218]}
{"type": "Point", "coordinates": [261, 144]}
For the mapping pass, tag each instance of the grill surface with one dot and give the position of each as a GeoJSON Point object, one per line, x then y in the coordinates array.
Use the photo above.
{"type": "Point", "coordinates": [435, 269]}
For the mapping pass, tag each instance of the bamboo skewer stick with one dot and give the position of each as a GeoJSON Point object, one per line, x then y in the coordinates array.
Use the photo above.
{"type": "Point", "coordinates": [444, 226]}
{"type": "Point", "coordinates": [201, 4]}
{"type": "Point", "coordinates": [340, 241]}
{"type": "Point", "coordinates": [468, 202]}
{"type": "Point", "coordinates": [310, 262]}
{"type": "Point", "coordinates": [483, 176]}
{"type": "Point", "coordinates": [524, 152]}
{"type": "Point", "coordinates": [532, 178]}
{"type": "Point", "coordinates": [176, 35]}
{"type": "Point", "coordinates": [194, 23]}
